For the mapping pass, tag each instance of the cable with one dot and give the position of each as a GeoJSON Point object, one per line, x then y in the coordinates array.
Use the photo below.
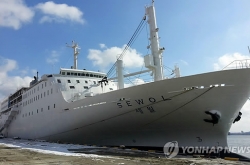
{"type": "Point", "coordinates": [132, 39]}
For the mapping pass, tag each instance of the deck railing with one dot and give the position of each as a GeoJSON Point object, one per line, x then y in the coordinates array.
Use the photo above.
{"type": "Point", "coordinates": [238, 64]}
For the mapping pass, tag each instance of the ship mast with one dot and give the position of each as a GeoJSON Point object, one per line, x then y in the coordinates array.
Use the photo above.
{"type": "Point", "coordinates": [156, 51]}
{"type": "Point", "coordinates": [75, 47]}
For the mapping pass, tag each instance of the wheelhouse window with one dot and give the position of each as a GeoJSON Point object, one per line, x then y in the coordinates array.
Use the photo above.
{"type": "Point", "coordinates": [59, 81]}
{"type": "Point", "coordinates": [69, 81]}
{"type": "Point", "coordinates": [72, 87]}
{"type": "Point", "coordinates": [63, 73]}
{"type": "Point", "coordinates": [85, 87]}
{"type": "Point", "coordinates": [86, 82]}
{"type": "Point", "coordinates": [68, 73]}
{"type": "Point", "coordinates": [77, 81]}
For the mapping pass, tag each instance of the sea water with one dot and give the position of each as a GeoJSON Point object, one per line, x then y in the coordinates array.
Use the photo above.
{"type": "Point", "coordinates": [239, 144]}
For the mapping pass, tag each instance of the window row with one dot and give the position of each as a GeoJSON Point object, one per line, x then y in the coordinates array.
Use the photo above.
{"type": "Point", "coordinates": [37, 97]}
{"type": "Point", "coordinates": [77, 81]}
{"type": "Point", "coordinates": [81, 74]}
{"type": "Point", "coordinates": [73, 87]}
{"type": "Point", "coordinates": [37, 111]}
{"type": "Point", "coordinates": [33, 90]}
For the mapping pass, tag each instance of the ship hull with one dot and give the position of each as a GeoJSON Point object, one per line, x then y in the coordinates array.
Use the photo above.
{"type": "Point", "coordinates": [147, 115]}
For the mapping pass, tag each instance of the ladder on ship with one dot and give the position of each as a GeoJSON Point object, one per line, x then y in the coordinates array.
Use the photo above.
{"type": "Point", "coordinates": [12, 114]}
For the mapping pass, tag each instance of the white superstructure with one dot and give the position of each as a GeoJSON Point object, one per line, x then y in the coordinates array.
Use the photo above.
{"type": "Point", "coordinates": [82, 106]}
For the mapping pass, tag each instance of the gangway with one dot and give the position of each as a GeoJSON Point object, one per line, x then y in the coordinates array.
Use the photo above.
{"type": "Point", "coordinates": [12, 114]}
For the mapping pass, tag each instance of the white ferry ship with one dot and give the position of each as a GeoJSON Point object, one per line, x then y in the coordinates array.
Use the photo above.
{"type": "Point", "coordinates": [82, 106]}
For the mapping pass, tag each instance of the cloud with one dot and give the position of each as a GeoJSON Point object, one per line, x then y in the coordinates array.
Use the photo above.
{"type": "Point", "coordinates": [226, 59]}
{"type": "Point", "coordinates": [53, 58]}
{"type": "Point", "coordinates": [103, 58]}
{"type": "Point", "coordinates": [59, 12]}
{"type": "Point", "coordinates": [102, 46]}
{"type": "Point", "coordinates": [13, 13]}
{"type": "Point", "coordinates": [136, 81]}
{"type": "Point", "coordinates": [9, 84]}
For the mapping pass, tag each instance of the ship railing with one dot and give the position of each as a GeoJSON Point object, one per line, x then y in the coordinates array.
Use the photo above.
{"type": "Point", "coordinates": [238, 64]}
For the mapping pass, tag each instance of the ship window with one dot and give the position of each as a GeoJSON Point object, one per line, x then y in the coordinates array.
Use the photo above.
{"type": "Point", "coordinates": [94, 82]}
{"type": "Point", "coordinates": [111, 89]}
{"type": "Point", "coordinates": [72, 73]}
{"type": "Point", "coordinates": [63, 73]}
{"type": "Point", "coordinates": [91, 75]}
{"type": "Point", "coordinates": [58, 80]}
{"type": "Point", "coordinates": [45, 84]}
{"type": "Point", "coordinates": [85, 87]}
{"type": "Point", "coordinates": [51, 90]}
{"type": "Point", "coordinates": [100, 76]}
{"type": "Point", "coordinates": [68, 73]}
{"type": "Point", "coordinates": [25, 114]}
{"type": "Point", "coordinates": [44, 94]}
{"type": "Point", "coordinates": [38, 97]}
{"type": "Point", "coordinates": [78, 81]}
{"type": "Point", "coordinates": [42, 85]}
{"type": "Point", "coordinates": [54, 105]}
{"type": "Point", "coordinates": [87, 75]}
{"type": "Point", "coordinates": [86, 82]}
{"type": "Point", "coordinates": [29, 113]}
{"type": "Point", "coordinates": [41, 109]}
{"type": "Point", "coordinates": [75, 74]}
{"type": "Point", "coordinates": [69, 81]}
{"type": "Point", "coordinates": [48, 107]}
{"type": "Point", "coordinates": [37, 111]}
{"type": "Point", "coordinates": [48, 92]}
{"type": "Point", "coordinates": [79, 74]}
{"type": "Point", "coordinates": [38, 88]}
{"type": "Point", "coordinates": [32, 112]}
{"type": "Point", "coordinates": [41, 95]}
{"type": "Point", "coordinates": [72, 87]}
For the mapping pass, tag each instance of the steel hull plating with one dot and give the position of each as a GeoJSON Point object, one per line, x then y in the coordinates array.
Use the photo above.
{"type": "Point", "coordinates": [146, 115]}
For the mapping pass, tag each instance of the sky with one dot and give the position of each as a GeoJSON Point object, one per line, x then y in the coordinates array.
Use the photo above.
{"type": "Point", "coordinates": [198, 36]}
